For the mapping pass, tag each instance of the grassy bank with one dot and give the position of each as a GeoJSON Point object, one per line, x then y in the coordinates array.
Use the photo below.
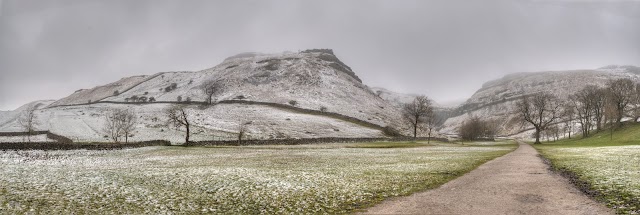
{"type": "Point", "coordinates": [609, 166]}
{"type": "Point", "coordinates": [326, 178]}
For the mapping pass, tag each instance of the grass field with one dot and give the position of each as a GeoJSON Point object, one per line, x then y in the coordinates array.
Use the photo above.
{"type": "Point", "coordinates": [326, 178]}
{"type": "Point", "coordinates": [609, 166]}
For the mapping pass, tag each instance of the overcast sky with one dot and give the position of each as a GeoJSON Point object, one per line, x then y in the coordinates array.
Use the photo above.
{"type": "Point", "coordinates": [443, 49]}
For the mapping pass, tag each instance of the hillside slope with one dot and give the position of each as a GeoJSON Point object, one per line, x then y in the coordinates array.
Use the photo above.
{"type": "Point", "coordinates": [496, 99]}
{"type": "Point", "coordinates": [315, 79]}
{"type": "Point", "coordinates": [98, 93]}
{"type": "Point", "coordinates": [9, 119]}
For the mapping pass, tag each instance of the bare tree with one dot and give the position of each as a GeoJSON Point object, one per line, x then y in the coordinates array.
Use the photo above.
{"type": "Point", "coordinates": [178, 117]}
{"type": "Point", "coordinates": [611, 116]}
{"type": "Point", "coordinates": [636, 104]}
{"type": "Point", "coordinates": [28, 121]}
{"type": "Point", "coordinates": [129, 120]}
{"type": "Point", "coordinates": [120, 123]}
{"type": "Point", "coordinates": [568, 116]}
{"type": "Point", "coordinates": [620, 94]}
{"type": "Point", "coordinates": [581, 102]}
{"type": "Point", "coordinates": [242, 131]}
{"type": "Point", "coordinates": [539, 110]}
{"type": "Point", "coordinates": [589, 104]}
{"type": "Point", "coordinates": [599, 100]}
{"type": "Point", "coordinates": [432, 122]}
{"type": "Point", "coordinates": [211, 88]}
{"type": "Point", "coordinates": [417, 112]}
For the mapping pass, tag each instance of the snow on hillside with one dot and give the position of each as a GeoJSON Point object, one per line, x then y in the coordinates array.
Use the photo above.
{"type": "Point", "coordinates": [9, 119]}
{"type": "Point", "coordinates": [617, 68]}
{"type": "Point", "coordinates": [496, 99]}
{"type": "Point", "coordinates": [397, 99]}
{"type": "Point", "coordinates": [220, 122]}
{"type": "Point", "coordinates": [314, 80]}
{"type": "Point", "coordinates": [84, 96]}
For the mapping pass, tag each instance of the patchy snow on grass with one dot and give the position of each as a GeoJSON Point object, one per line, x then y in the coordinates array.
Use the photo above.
{"type": "Point", "coordinates": [231, 180]}
{"type": "Point", "coordinates": [614, 171]}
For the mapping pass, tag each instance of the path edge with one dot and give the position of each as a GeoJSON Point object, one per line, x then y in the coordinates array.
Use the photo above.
{"type": "Point", "coordinates": [582, 185]}
{"type": "Point", "coordinates": [362, 211]}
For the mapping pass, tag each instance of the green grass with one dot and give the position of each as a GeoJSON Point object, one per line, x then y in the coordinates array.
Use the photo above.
{"type": "Point", "coordinates": [608, 166]}
{"type": "Point", "coordinates": [627, 135]}
{"type": "Point", "coordinates": [386, 145]}
{"type": "Point", "coordinates": [305, 179]}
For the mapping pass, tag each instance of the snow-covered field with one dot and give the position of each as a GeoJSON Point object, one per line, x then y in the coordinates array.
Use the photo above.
{"type": "Point", "coordinates": [613, 171]}
{"type": "Point", "coordinates": [220, 122]}
{"type": "Point", "coordinates": [329, 178]}
{"type": "Point", "coordinates": [33, 138]}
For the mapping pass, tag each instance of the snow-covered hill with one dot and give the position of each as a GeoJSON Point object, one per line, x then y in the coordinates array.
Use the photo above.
{"type": "Point", "coordinates": [98, 93]}
{"type": "Point", "coordinates": [395, 98]}
{"type": "Point", "coordinates": [314, 79]}
{"type": "Point", "coordinates": [9, 119]}
{"type": "Point", "coordinates": [496, 99]}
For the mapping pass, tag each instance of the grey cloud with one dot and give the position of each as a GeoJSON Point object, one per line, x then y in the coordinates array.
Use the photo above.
{"type": "Point", "coordinates": [444, 49]}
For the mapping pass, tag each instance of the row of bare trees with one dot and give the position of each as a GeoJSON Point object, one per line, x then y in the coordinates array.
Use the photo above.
{"type": "Point", "coordinates": [591, 107]}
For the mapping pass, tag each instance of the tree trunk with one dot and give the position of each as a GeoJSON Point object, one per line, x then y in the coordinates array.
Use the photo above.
{"type": "Point", "coordinates": [126, 137]}
{"type": "Point", "coordinates": [415, 131]}
{"type": "Point", "coordinates": [537, 136]}
{"type": "Point", "coordinates": [186, 139]}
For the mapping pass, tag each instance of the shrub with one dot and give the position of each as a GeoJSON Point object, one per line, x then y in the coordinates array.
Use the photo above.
{"type": "Point", "coordinates": [293, 102]}
{"type": "Point", "coordinates": [188, 99]}
{"type": "Point", "coordinates": [179, 99]}
{"type": "Point", "coordinates": [475, 128]}
{"type": "Point", "coordinates": [173, 86]}
{"type": "Point", "coordinates": [146, 93]}
{"type": "Point", "coordinates": [115, 93]}
{"type": "Point", "coordinates": [152, 99]}
{"type": "Point", "coordinates": [392, 132]}
{"type": "Point", "coordinates": [323, 108]}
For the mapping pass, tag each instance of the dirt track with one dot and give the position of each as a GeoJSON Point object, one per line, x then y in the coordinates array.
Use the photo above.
{"type": "Point", "coordinates": [517, 183]}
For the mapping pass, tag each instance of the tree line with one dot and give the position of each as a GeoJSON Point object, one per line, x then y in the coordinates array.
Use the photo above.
{"type": "Point", "coordinates": [592, 108]}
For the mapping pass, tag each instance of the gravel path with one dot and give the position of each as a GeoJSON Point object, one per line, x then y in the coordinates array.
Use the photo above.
{"type": "Point", "coordinates": [517, 183]}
